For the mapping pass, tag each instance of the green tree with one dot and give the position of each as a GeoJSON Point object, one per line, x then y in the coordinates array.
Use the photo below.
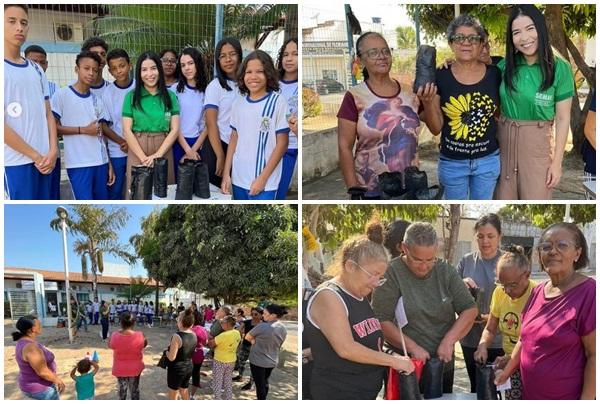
{"type": "Point", "coordinates": [98, 230]}
{"type": "Point", "coordinates": [564, 23]}
{"type": "Point", "coordinates": [543, 216]}
{"type": "Point", "coordinates": [233, 252]}
{"type": "Point", "coordinates": [137, 289]}
{"type": "Point", "coordinates": [406, 37]}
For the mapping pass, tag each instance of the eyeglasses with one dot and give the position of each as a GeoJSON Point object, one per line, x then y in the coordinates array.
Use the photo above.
{"type": "Point", "coordinates": [171, 61]}
{"type": "Point", "coordinates": [381, 280]}
{"type": "Point", "coordinates": [561, 245]}
{"type": "Point", "coordinates": [509, 286]}
{"type": "Point", "coordinates": [374, 53]}
{"type": "Point", "coordinates": [231, 55]}
{"type": "Point", "coordinates": [461, 39]}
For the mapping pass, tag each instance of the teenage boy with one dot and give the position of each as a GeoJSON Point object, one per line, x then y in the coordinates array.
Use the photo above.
{"type": "Point", "coordinates": [79, 114]}
{"type": "Point", "coordinates": [38, 55]}
{"type": "Point", "coordinates": [98, 46]}
{"type": "Point", "coordinates": [29, 129]}
{"type": "Point", "coordinates": [119, 67]}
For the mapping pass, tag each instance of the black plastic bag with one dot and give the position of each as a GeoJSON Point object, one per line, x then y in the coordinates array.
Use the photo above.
{"type": "Point", "coordinates": [432, 193]}
{"type": "Point", "coordinates": [409, 387]}
{"type": "Point", "coordinates": [432, 379]}
{"type": "Point", "coordinates": [357, 193]}
{"type": "Point", "coordinates": [391, 185]}
{"type": "Point", "coordinates": [185, 180]}
{"type": "Point", "coordinates": [201, 180]}
{"type": "Point", "coordinates": [425, 69]}
{"type": "Point", "coordinates": [415, 179]}
{"type": "Point", "coordinates": [141, 182]}
{"type": "Point", "coordinates": [484, 382]}
{"type": "Point", "coordinates": [161, 170]}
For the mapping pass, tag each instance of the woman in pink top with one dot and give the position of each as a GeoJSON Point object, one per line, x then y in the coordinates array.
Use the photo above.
{"type": "Point", "coordinates": [198, 357]}
{"type": "Point", "coordinates": [556, 351]}
{"type": "Point", "coordinates": [128, 357]}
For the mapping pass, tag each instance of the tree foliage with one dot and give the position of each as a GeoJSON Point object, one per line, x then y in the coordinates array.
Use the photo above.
{"type": "Point", "coordinates": [98, 230]}
{"type": "Point", "coordinates": [233, 252]}
{"type": "Point", "coordinates": [137, 289]}
{"type": "Point", "coordinates": [406, 38]}
{"type": "Point", "coordinates": [543, 216]}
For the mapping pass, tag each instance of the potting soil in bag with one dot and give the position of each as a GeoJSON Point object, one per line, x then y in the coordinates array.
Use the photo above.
{"type": "Point", "coordinates": [425, 69]}
{"type": "Point", "coordinates": [484, 382]}
{"type": "Point", "coordinates": [141, 182]}
{"type": "Point", "coordinates": [201, 181]}
{"type": "Point", "coordinates": [161, 170]}
{"type": "Point", "coordinates": [432, 379]}
{"type": "Point", "coordinates": [391, 185]}
{"type": "Point", "coordinates": [409, 387]}
{"type": "Point", "coordinates": [185, 180]}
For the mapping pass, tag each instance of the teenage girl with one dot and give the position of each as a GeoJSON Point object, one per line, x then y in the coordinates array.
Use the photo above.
{"type": "Point", "coordinates": [259, 136]}
{"type": "Point", "coordinates": [287, 64]}
{"type": "Point", "coordinates": [190, 93]}
{"type": "Point", "coordinates": [150, 117]}
{"type": "Point", "coordinates": [219, 97]}
{"type": "Point", "coordinates": [168, 59]}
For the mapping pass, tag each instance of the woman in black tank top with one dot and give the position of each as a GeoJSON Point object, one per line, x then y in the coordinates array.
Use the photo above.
{"type": "Point", "coordinates": [180, 352]}
{"type": "Point", "coordinates": [343, 333]}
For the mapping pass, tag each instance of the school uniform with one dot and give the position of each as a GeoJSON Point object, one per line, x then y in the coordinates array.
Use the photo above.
{"type": "Point", "coordinates": [525, 129]}
{"type": "Point", "coordinates": [257, 123]}
{"type": "Point", "coordinates": [25, 95]}
{"type": "Point", "coordinates": [191, 119]}
{"type": "Point", "coordinates": [289, 90]}
{"type": "Point", "coordinates": [55, 175]}
{"type": "Point", "coordinates": [86, 157]}
{"type": "Point", "coordinates": [221, 99]}
{"type": "Point", "coordinates": [99, 90]}
{"type": "Point", "coordinates": [113, 97]}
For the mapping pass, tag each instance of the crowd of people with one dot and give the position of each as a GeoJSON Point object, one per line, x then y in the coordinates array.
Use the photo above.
{"type": "Point", "coordinates": [540, 335]}
{"type": "Point", "coordinates": [503, 121]}
{"type": "Point", "coordinates": [238, 124]}
{"type": "Point", "coordinates": [231, 339]}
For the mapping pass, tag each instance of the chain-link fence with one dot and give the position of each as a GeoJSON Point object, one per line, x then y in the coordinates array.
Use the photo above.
{"type": "Point", "coordinates": [60, 29]}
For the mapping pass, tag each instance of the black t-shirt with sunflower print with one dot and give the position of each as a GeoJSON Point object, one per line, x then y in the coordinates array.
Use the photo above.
{"type": "Point", "coordinates": [469, 129]}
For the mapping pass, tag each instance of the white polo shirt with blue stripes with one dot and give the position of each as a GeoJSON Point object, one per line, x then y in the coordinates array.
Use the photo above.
{"type": "Point", "coordinates": [113, 97]}
{"type": "Point", "coordinates": [257, 124]}
{"type": "Point", "coordinates": [289, 89]}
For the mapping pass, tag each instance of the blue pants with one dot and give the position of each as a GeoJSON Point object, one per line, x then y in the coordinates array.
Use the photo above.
{"type": "Point", "coordinates": [80, 322]}
{"type": "Point", "coordinates": [96, 318]}
{"type": "Point", "coordinates": [178, 152]}
{"type": "Point", "coordinates": [55, 181]}
{"type": "Point", "coordinates": [470, 178]}
{"type": "Point", "coordinates": [26, 182]}
{"type": "Point", "coordinates": [287, 171]}
{"type": "Point", "coordinates": [149, 318]}
{"type": "Point", "coordinates": [89, 183]}
{"type": "Point", "coordinates": [104, 324]}
{"type": "Point", "coordinates": [51, 393]}
{"type": "Point", "coordinates": [242, 194]}
{"type": "Point", "coordinates": [116, 191]}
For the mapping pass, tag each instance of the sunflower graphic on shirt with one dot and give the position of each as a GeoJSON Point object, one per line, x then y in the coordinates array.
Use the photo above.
{"type": "Point", "coordinates": [469, 115]}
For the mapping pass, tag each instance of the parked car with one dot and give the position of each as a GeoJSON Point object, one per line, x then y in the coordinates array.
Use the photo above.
{"type": "Point", "coordinates": [325, 86]}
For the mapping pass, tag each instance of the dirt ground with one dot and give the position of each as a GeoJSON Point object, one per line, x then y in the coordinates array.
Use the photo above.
{"type": "Point", "coordinates": [153, 383]}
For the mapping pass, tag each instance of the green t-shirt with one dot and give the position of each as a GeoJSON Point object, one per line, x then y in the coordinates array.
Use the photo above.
{"type": "Point", "coordinates": [84, 386]}
{"type": "Point", "coordinates": [430, 303]}
{"type": "Point", "coordinates": [154, 117]}
{"type": "Point", "coordinates": [527, 102]}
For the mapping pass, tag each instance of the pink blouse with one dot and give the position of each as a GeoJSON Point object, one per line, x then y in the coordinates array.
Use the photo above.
{"type": "Point", "coordinates": [128, 356]}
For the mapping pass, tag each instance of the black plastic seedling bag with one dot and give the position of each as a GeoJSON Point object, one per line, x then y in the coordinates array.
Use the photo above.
{"type": "Point", "coordinates": [185, 180]}
{"type": "Point", "coordinates": [409, 387]}
{"type": "Point", "coordinates": [391, 185]}
{"type": "Point", "coordinates": [357, 193]}
{"type": "Point", "coordinates": [141, 182]}
{"type": "Point", "coordinates": [432, 379]}
{"type": "Point", "coordinates": [484, 382]}
{"type": "Point", "coordinates": [201, 180]}
{"type": "Point", "coordinates": [415, 179]}
{"type": "Point", "coordinates": [161, 170]}
{"type": "Point", "coordinates": [425, 69]}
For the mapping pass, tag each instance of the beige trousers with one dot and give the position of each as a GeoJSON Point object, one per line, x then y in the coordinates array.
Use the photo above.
{"type": "Point", "coordinates": [150, 143]}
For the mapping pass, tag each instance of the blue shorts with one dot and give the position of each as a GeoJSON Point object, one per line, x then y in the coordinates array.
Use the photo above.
{"type": "Point", "coordinates": [55, 181]}
{"type": "Point", "coordinates": [89, 183]}
{"type": "Point", "coordinates": [26, 182]}
{"type": "Point", "coordinates": [287, 171]}
{"type": "Point", "coordinates": [116, 191]}
{"type": "Point", "coordinates": [51, 393]}
{"type": "Point", "coordinates": [241, 194]}
{"type": "Point", "coordinates": [178, 152]}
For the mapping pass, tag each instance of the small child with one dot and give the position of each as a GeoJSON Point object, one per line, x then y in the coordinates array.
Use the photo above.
{"type": "Point", "coordinates": [84, 383]}
{"type": "Point", "coordinates": [225, 345]}
{"type": "Point", "coordinates": [260, 129]}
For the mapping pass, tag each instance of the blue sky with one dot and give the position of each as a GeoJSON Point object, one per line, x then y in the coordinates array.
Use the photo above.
{"type": "Point", "coordinates": [29, 242]}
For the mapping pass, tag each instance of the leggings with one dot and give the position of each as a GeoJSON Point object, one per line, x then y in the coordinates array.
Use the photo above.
{"type": "Point", "coordinates": [261, 380]}
{"type": "Point", "coordinates": [222, 379]}
{"type": "Point", "coordinates": [129, 383]}
{"type": "Point", "coordinates": [196, 374]}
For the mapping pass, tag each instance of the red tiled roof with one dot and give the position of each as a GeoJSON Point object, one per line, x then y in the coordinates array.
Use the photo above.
{"type": "Point", "coordinates": [73, 277]}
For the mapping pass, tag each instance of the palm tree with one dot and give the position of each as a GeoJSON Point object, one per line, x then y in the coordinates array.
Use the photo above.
{"type": "Point", "coordinates": [98, 230]}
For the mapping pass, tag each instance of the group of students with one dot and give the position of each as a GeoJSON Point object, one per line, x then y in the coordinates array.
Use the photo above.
{"type": "Point", "coordinates": [541, 336]}
{"type": "Point", "coordinates": [504, 121]}
{"type": "Point", "coordinates": [238, 124]}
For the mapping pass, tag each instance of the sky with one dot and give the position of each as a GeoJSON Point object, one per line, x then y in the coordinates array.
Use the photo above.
{"type": "Point", "coordinates": [29, 242]}
{"type": "Point", "coordinates": [392, 15]}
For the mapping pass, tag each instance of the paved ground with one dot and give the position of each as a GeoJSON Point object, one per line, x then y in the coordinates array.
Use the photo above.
{"type": "Point", "coordinates": [332, 187]}
{"type": "Point", "coordinates": [153, 384]}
